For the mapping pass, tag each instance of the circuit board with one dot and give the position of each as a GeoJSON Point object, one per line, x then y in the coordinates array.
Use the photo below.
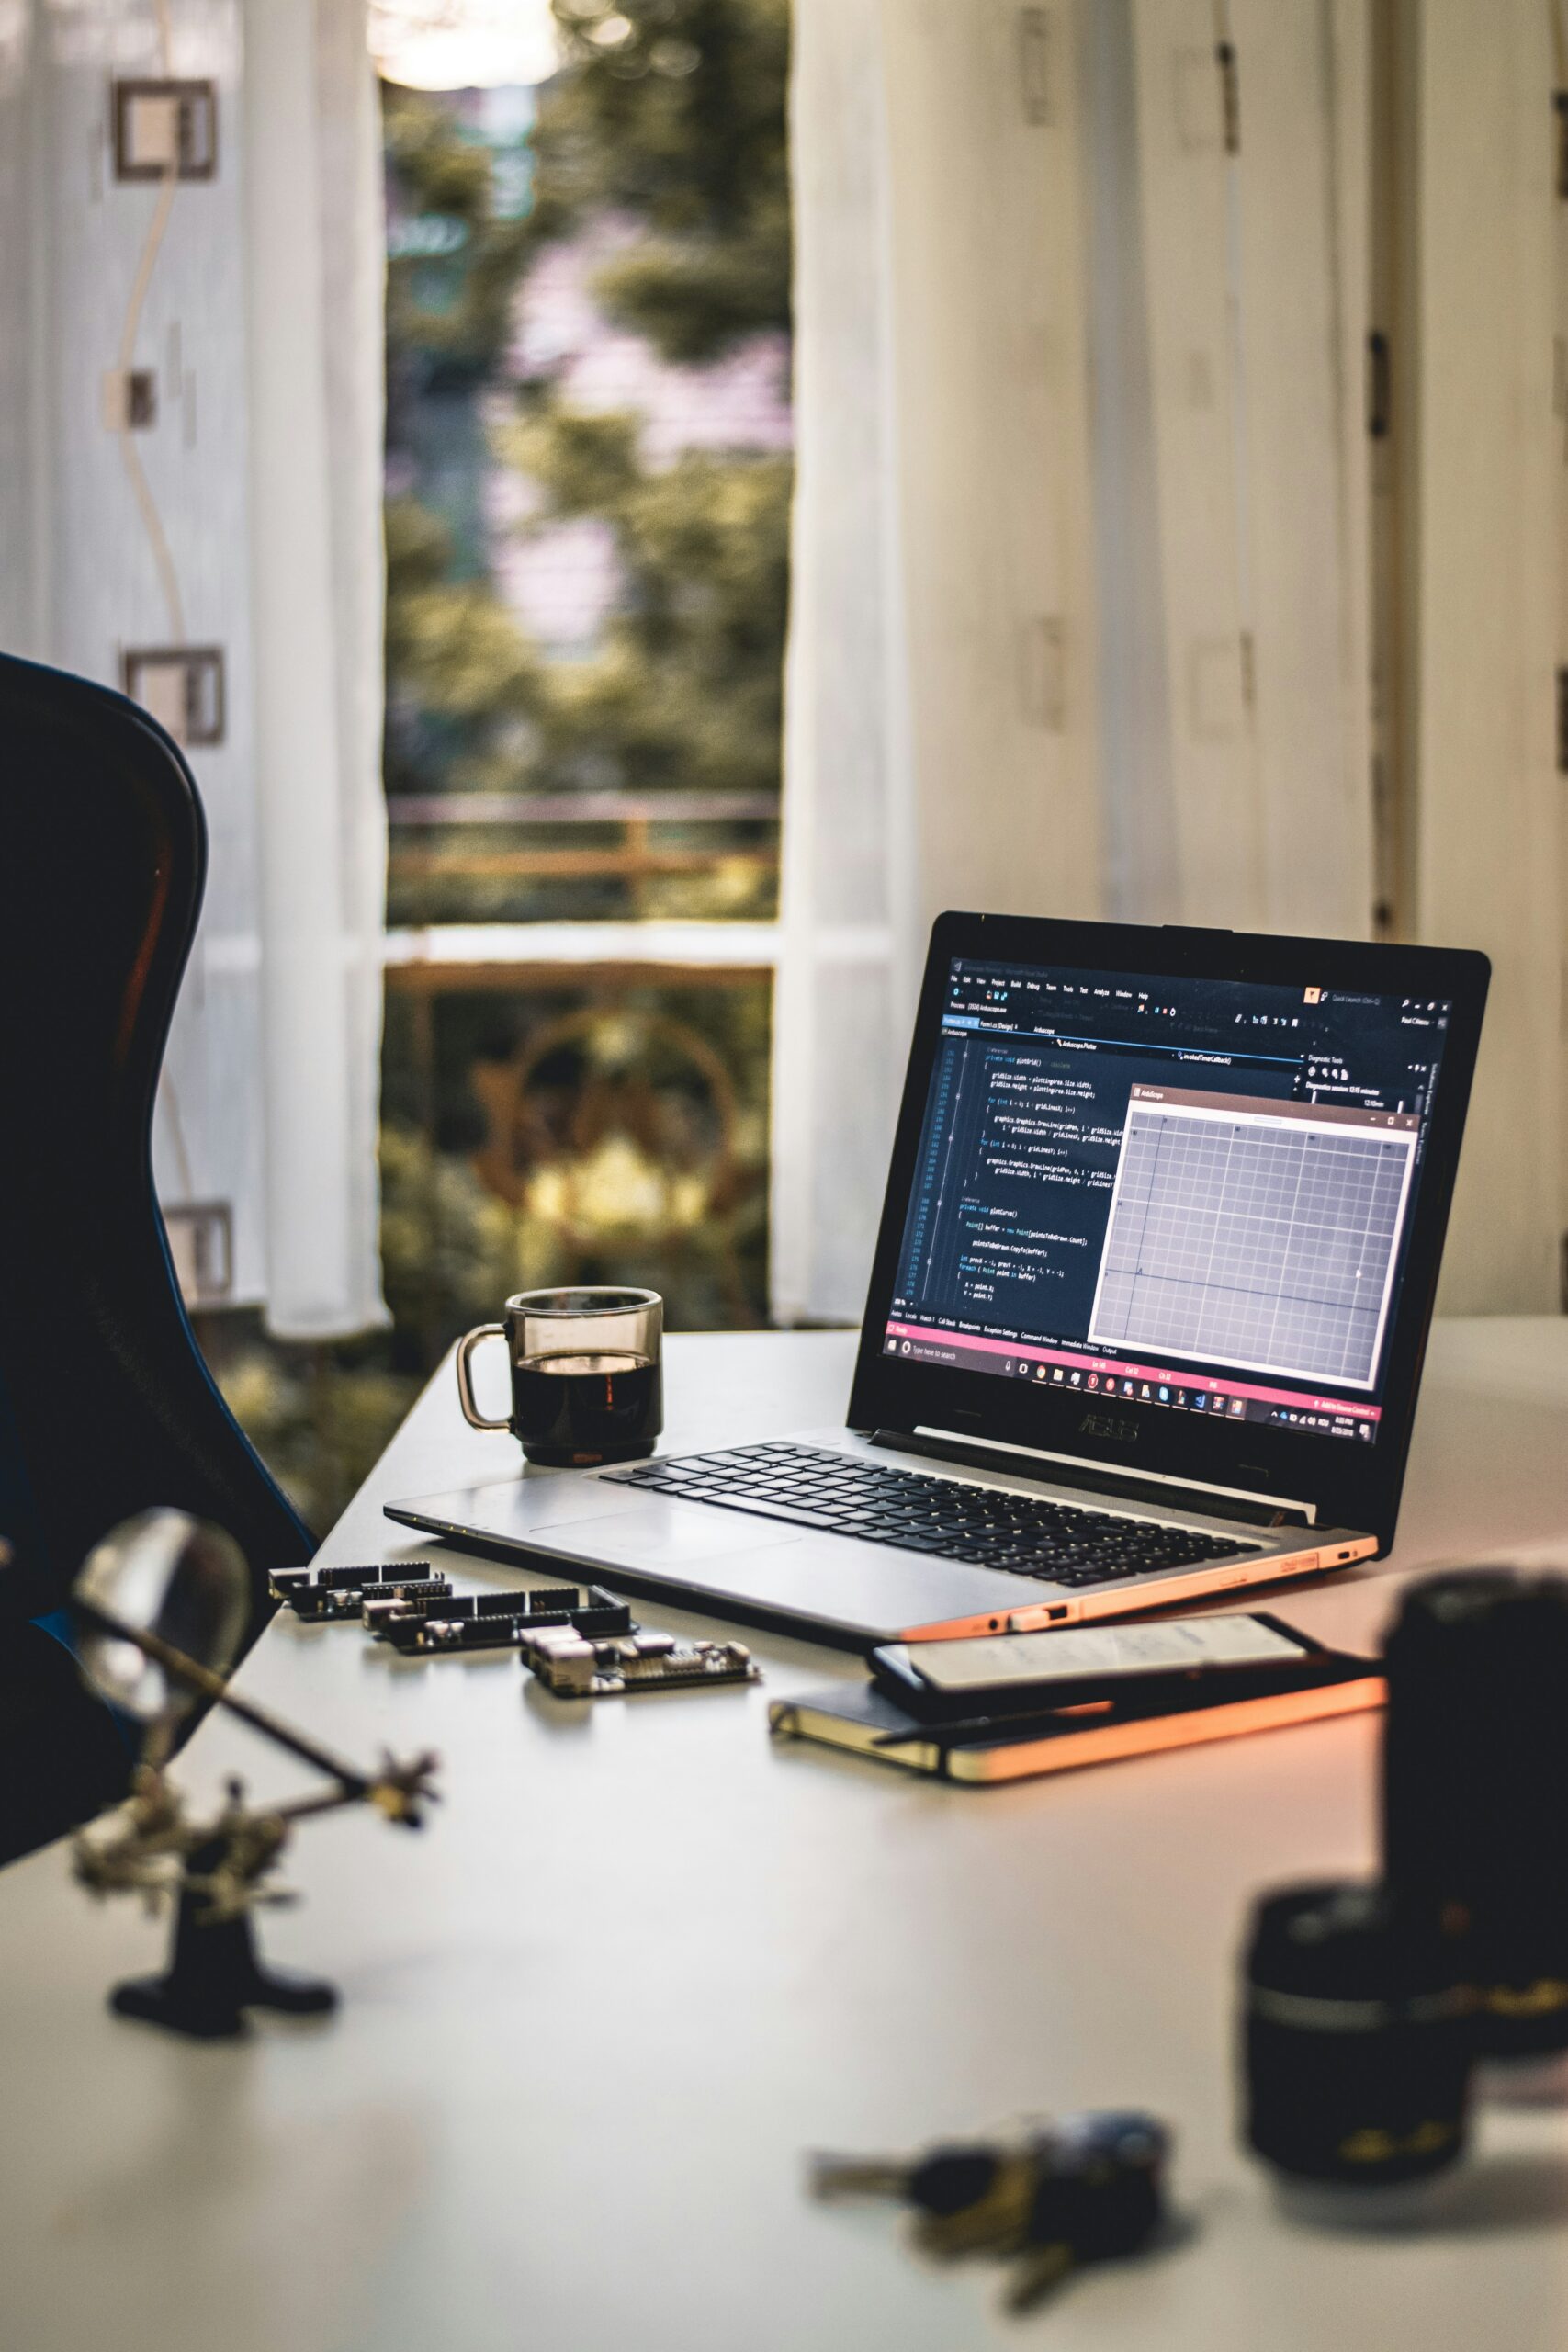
{"type": "Point", "coordinates": [419, 1615]}
{"type": "Point", "coordinates": [335, 1596]}
{"type": "Point", "coordinates": [387, 1606]}
{"type": "Point", "coordinates": [497, 1620]}
{"type": "Point", "coordinates": [574, 1667]}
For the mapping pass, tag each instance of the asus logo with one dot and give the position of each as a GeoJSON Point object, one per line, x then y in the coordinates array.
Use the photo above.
{"type": "Point", "coordinates": [1111, 1425]}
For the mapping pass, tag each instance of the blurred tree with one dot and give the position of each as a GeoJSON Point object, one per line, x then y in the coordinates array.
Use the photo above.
{"type": "Point", "coordinates": [449, 297]}
{"type": "Point", "coordinates": [672, 114]}
{"type": "Point", "coordinates": [668, 117]}
{"type": "Point", "coordinates": [463, 685]}
{"type": "Point", "coordinates": [686, 687]}
{"type": "Point", "coordinates": [668, 121]}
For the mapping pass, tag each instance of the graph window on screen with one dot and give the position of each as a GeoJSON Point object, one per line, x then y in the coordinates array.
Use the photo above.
{"type": "Point", "coordinates": [1191, 1193]}
{"type": "Point", "coordinates": [1256, 1233]}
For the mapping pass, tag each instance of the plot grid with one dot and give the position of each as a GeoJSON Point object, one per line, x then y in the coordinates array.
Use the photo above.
{"type": "Point", "coordinates": [1257, 1244]}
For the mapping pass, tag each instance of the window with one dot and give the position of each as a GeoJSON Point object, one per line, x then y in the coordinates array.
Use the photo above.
{"type": "Point", "coordinates": [587, 509]}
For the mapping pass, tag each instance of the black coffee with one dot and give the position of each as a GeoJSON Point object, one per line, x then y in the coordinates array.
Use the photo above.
{"type": "Point", "coordinates": [580, 1410]}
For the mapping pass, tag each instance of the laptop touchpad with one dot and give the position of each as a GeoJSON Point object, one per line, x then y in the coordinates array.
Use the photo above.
{"type": "Point", "coordinates": [664, 1531]}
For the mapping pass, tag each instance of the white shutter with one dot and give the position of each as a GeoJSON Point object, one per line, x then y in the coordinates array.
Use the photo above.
{"type": "Point", "coordinates": [1488, 843]}
{"type": "Point", "coordinates": [939, 740]}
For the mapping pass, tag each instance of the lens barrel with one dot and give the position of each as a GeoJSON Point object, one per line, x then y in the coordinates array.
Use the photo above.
{"type": "Point", "coordinates": [1357, 2034]}
{"type": "Point", "coordinates": [1476, 1788]}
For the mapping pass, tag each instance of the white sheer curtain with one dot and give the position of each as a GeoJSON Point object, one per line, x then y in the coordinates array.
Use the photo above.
{"type": "Point", "coordinates": [940, 743]}
{"type": "Point", "coordinates": [315, 264]}
{"type": "Point", "coordinates": [243, 516]}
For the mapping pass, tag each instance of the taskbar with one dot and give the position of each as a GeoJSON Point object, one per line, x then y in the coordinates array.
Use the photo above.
{"type": "Point", "coordinates": [1135, 1384]}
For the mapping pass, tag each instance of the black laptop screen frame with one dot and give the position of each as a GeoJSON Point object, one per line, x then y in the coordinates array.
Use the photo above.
{"type": "Point", "coordinates": [1354, 1486]}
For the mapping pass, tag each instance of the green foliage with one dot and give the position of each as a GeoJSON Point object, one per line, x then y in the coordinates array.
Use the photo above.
{"type": "Point", "coordinates": [447, 1243]}
{"type": "Point", "coordinates": [674, 129]}
{"type": "Point", "coordinates": [318, 1416]}
{"type": "Point", "coordinates": [668, 117]}
{"type": "Point", "coordinates": [622, 1109]}
{"type": "Point", "coordinates": [672, 114]}
{"type": "Point", "coordinates": [456, 310]}
{"type": "Point", "coordinates": [462, 683]}
{"type": "Point", "coordinates": [419, 549]}
{"type": "Point", "coordinates": [687, 689]}
{"type": "Point", "coordinates": [459, 649]}
{"type": "Point", "coordinates": [587, 464]}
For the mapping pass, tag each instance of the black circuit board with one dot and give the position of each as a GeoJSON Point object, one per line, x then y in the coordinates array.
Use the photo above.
{"type": "Point", "coordinates": [335, 1596]}
{"type": "Point", "coordinates": [418, 1614]}
{"type": "Point", "coordinates": [482, 1622]}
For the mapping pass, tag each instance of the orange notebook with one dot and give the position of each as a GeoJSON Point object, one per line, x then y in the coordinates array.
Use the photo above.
{"type": "Point", "coordinates": [859, 1717]}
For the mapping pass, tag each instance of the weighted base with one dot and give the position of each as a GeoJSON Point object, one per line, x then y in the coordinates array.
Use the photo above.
{"type": "Point", "coordinates": [204, 2015]}
{"type": "Point", "coordinates": [215, 1974]}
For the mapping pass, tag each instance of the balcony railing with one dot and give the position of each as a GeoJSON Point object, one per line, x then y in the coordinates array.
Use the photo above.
{"type": "Point", "coordinates": [639, 849]}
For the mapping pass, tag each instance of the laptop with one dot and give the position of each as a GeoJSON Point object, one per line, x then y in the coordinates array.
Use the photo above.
{"type": "Point", "coordinates": [1146, 1315]}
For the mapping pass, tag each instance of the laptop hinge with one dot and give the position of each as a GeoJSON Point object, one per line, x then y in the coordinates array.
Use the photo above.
{"type": "Point", "coordinates": [1156, 1487]}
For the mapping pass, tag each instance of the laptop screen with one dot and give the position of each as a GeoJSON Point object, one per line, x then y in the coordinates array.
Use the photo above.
{"type": "Point", "coordinates": [1193, 1195]}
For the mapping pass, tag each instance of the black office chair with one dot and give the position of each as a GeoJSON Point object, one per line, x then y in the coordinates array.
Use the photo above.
{"type": "Point", "coordinates": [106, 1407]}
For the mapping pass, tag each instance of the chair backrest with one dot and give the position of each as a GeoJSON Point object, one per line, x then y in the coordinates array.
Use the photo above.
{"type": "Point", "coordinates": [110, 1404]}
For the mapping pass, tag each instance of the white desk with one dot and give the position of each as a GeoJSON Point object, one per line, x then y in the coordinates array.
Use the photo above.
{"type": "Point", "coordinates": [642, 1960]}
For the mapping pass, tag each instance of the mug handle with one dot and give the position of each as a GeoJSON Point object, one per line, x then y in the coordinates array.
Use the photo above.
{"type": "Point", "coordinates": [465, 1347]}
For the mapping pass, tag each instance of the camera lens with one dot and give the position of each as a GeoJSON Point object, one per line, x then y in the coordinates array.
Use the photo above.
{"type": "Point", "coordinates": [1476, 1788]}
{"type": "Point", "coordinates": [1357, 2030]}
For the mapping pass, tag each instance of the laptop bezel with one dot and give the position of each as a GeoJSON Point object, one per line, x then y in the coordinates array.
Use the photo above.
{"type": "Point", "coordinates": [1350, 1484]}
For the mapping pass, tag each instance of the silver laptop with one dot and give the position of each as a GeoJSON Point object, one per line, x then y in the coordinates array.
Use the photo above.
{"type": "Point", "coordinates": [1146, 1315]}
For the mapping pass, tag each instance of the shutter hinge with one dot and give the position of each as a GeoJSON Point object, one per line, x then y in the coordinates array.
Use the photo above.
{"type": "Point", "coordinates": [1560, 108]}
{"type": "Point", "coordinates": [1230, 95]}
{"type": "Point", "coordinates": [1379, 408]}
{"type": "Point", "coordinates": [1562, 721]}
{"type": "Point", "coordinates": [1043, 673]}
{"type": "Point", "coordinates": [1034, 63]}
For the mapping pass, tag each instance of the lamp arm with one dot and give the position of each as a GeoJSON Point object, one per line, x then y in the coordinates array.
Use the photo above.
{"type": "Point", "coordinates": [353, 1783]}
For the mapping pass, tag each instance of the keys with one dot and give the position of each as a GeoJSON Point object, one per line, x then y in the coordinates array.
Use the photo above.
{"type": "Point", "coordinates": [1048, 2199]}
{"type": "Point", "coordinates": [942, 2182]}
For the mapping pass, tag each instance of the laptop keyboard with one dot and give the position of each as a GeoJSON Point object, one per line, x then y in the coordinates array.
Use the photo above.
{"type": "Point", "coordinates": [1026, 1535]}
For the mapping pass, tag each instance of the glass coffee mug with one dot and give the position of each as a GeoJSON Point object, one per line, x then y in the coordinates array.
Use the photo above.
{"type": "Point", "coordinates": [587, 1384]}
